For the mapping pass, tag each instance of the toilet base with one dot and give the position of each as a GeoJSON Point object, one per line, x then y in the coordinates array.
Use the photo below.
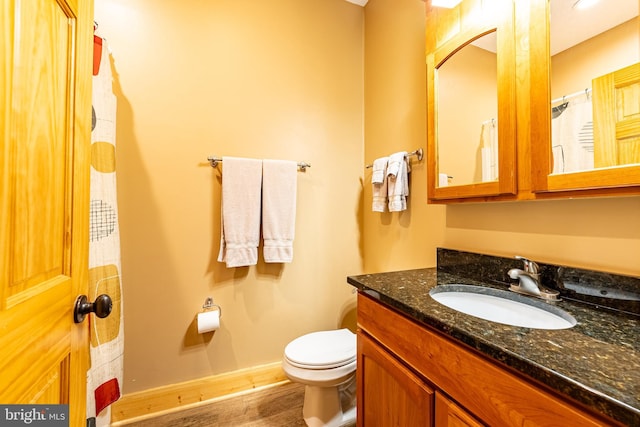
{"type": "Point", "coordinates": [330, 406]}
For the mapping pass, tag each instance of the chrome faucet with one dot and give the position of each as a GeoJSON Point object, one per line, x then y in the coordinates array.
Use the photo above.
{"type": "Point", "coordinates": [529, 281]}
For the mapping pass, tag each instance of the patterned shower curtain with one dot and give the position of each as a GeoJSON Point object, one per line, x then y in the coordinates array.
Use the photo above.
{"type": "Point", "coordinates": [572, 134]}
{"type": "Point", "coordinates": [104, 377]}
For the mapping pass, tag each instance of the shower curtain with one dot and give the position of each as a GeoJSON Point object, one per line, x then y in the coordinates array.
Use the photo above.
{"type": "Point", "coordinates": [104, 377]}
{"type": "Point", "coordinates": [572, 134]}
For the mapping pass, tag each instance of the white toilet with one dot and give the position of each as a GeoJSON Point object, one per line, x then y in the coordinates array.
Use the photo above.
{"type": "Point", "coordinates": [325, 362]}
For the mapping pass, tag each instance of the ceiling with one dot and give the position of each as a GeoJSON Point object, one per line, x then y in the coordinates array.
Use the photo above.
{"type": "Point", "coordinates": [570, 26]}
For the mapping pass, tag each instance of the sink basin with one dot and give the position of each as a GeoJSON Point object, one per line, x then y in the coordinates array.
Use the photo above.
{"type": "Point", "coordinates": [502, 307]}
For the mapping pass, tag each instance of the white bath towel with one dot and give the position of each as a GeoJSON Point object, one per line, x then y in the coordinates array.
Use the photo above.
{"type": "Point", "coordinates": [379, 184]}
{"type": "Point", "coordinates": [279, 183]}
{"type": "Point", "coordinates": [240, 230]}
{"type": "Point", "coordinates": [398, 181]}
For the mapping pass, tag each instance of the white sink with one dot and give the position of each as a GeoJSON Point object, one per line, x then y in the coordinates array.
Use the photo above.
{"type": "Point", "coordinates": [502, 307]}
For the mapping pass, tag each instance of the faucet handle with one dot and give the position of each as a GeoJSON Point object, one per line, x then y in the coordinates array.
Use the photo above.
{"type": "Point", "coordinates": [529, 266]}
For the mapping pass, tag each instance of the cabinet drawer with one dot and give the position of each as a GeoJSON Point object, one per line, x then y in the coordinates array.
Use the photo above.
{"type": "Point", "coordinates": [491, 393]}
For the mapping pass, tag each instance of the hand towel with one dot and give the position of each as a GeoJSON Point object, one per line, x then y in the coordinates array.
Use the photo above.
{"type": "Point", "coordinates": [279, 183]}
{"type": "Point", "coordinates": [240, 230]}
{"type": "Point", "coordinates": [398, 181]}
{"type": "Point", "coordinates": [379, 184]}
{"type": "Point", "coordinates": [395, 163]}
{"type": "Point", "coordinates": [379, 173]}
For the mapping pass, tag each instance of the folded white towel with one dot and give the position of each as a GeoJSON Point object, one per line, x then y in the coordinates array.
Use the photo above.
{"type": "Point", "coordinates": [240, 229]}
{"type": "Point", "coordinates": [279, 183]}
{"type": "Point", "coordinates": [398, 185]}
{"type": "Point", "coordinates": [379, 173]}
{"type": "Point", "coordinates": [379, 184]}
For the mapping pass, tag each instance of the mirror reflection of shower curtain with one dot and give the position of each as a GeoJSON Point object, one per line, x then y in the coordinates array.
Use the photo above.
{"type": "Point", "coordinates": [489, 150]}
{"type": "Point", "coordinates": [572, 134]}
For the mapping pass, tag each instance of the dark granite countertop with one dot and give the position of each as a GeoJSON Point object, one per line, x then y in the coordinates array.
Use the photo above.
{"type": "Point", "coordinates": [596, 362]}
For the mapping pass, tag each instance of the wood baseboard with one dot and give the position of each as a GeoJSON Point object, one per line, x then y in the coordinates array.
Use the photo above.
{"type": "Point", "coordinates": [175, 397]}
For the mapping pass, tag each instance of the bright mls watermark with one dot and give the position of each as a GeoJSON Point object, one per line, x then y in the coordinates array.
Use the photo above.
{"type": "Point", "coordinates": [34, 415]}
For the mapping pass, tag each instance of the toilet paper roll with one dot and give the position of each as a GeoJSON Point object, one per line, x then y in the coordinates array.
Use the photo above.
{"type": "Point", "coordinates": [208, 321]}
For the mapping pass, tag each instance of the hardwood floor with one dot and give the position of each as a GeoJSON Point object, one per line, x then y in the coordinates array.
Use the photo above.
{"type": "Point", "coordinates": [278, 406]}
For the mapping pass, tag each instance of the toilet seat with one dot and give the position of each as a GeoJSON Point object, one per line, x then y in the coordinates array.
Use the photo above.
{"type": "Point", "coordinates": [322, 350]}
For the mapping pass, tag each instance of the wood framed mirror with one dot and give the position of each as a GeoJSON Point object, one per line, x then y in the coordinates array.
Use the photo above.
{"type": "Point", "coordinates": [471, 130]}
{"type": "Point", "coordinates": [585, 97]}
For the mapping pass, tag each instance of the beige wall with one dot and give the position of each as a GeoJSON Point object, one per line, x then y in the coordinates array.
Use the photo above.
{"type": "Point", "coordinates": [395, 120]}
{"type": "Point", "coordinates": [284, 79]}
{"type": "Point", "coordinates": [277, 79]}
{"type": "Point", "coordinates": [574, 68]}
{"type": "Point", "coordinates": [602, 234]}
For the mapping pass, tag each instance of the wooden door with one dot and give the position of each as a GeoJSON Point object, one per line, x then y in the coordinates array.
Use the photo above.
{"type": "Point", "coordinates": [389, 394]}
{"type": "Point", "coordinates": [616, 117]}
{"type": "Point", "coordinates": [45, 81]}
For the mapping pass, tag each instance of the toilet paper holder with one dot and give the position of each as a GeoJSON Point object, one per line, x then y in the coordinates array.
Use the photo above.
{"type": "Point", "coordinates": [209, 305]}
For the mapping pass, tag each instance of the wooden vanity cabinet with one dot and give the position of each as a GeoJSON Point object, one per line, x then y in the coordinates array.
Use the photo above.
{"type": "Point", "coordinates": [411, 375]}
{"type": "Point", "coordinates": [389, 394]}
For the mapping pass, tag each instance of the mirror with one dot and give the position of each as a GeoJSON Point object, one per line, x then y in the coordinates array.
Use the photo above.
{"type": "Point", "coordinates": [467, 112]}
{"type": "Point", "coordinates": [588, 46]}
{"type": "Point", "coordinates": [471, 101]}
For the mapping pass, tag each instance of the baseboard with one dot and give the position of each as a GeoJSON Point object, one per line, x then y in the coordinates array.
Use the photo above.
{"type": "Point", "coordinates": [174, 397]}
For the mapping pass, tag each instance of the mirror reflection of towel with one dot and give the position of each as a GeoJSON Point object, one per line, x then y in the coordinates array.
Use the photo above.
{"type": "Point", "coordinates": [489, 150]}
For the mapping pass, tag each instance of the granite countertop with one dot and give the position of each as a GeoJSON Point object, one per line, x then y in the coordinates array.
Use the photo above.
{"type": "Point", "coordinates": [596, 362]}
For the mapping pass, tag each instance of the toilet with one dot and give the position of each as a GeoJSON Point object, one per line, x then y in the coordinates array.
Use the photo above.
{"type": "Point", "coordinates": [325, 362]}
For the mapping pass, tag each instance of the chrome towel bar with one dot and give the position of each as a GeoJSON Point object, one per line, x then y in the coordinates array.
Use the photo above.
{"type": "Point", "coordinates": [213, 161]}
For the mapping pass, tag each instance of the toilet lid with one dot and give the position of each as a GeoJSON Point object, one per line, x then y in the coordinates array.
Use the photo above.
{"type": "Point", "coordinates": [326, 349]}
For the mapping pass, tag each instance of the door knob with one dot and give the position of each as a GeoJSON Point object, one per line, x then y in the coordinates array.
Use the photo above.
{"type": "Point", "coordinates": [101, 307]}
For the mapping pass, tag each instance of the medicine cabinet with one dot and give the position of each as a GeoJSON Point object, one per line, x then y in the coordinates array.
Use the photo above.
{"type": "Point", "coordinates": [510, 83]}
{"type": "Point", "coordinates": [471, 100]}
{"type": "Point", "coordinates": [588, 77]}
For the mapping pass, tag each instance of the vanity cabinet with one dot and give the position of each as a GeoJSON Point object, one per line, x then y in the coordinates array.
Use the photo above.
{"type": "Point", "coordinates": [507, 143]}
{"type": "Point", "coordinates": [389, 394]}
{"type": "Point", "coordinates": [409, 375]}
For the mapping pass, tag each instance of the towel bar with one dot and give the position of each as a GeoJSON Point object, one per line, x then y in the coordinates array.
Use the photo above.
{"type": "Point", "coordinates": [213, 161]}
{"type": "Point", "coordinates": [418, 153]}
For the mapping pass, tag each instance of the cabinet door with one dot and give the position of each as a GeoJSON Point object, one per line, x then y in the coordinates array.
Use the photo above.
{"type": "Point", "coordinates": [471, 114]}
{"type": "Point", "coordinates": [389, 394]}
{"type": "Point", "coordinates": [615, 168]}
{"type": "Point", "coordinates": [448, 414]}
